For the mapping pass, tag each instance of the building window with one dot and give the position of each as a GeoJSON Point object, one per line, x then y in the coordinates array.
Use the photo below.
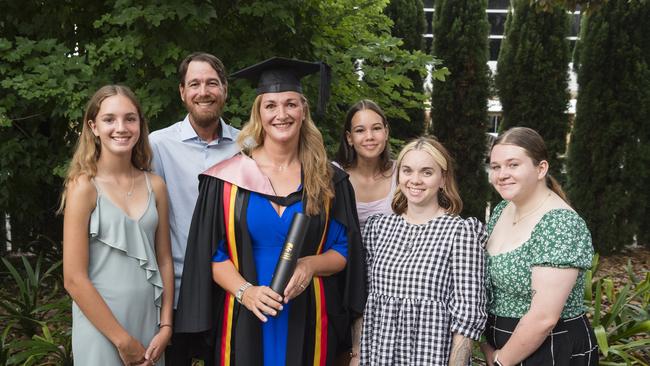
{"type": "Point", "coordinates": [497, 22]}
{"type": "Point", "coordinates": [495, 45]}
{"type": "Point", "coordinates": [498, 4]}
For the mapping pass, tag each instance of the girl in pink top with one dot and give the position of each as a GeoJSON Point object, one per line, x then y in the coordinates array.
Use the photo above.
{"type": "Point", "coordinates": [364, 153]}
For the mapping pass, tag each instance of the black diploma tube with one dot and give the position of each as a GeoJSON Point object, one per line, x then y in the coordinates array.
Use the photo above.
{"type": "Point", "coordinates": [290, 252]}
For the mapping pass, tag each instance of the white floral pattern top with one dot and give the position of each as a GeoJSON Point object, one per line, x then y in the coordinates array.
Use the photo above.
{"type": "Point", "coordinates": [560, 239]}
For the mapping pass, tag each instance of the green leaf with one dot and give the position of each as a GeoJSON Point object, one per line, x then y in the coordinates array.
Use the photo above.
{"type": "Point", "coordinates": [4, 120]}
{"type": "Point", "coordinates": [598, 303]}
{"type": "Point", "coordinates": [642, 327]}
{"type": "Point", "coordinates": [601, 338]}
{"type": "Point", "coordinates": [617, 306]}
{"type": "Point", "coordinates": [22, 286]}
{"type": "Point", "coordinates": [608, 286]}
{"type": "Point", "coordinates": [589, 296]}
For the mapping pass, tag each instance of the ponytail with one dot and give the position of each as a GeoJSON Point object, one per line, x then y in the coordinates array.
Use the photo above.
{"type": "Point", "coordinates": [555, 186]}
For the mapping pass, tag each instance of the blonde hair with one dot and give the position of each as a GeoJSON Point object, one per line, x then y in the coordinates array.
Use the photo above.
{"type": "Point", "coordinates": [448, 197]}
{"type": "Point", "coordinates": [88, 147]}
{"type": "Point", "coordinates": [317, 172]}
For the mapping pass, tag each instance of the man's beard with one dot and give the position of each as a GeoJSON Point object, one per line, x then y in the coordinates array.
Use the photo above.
{"type": "Point", "coordinates": [205, 118]}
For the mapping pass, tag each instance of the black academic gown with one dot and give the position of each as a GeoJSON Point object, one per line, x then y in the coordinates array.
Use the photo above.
{"type": "Point", "coordinates": [320, 319]}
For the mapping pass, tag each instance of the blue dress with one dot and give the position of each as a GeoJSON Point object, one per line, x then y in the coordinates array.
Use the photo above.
{"type": "Point", "coordinates": [268, 231]}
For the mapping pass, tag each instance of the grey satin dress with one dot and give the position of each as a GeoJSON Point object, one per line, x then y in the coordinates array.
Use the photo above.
{"type": "Point", "coordinates": [122, 266]}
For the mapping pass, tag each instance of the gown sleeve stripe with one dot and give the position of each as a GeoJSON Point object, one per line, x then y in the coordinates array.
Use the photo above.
{"type": "Point", "coordinates": [229, 202]}
{"type": "Point", "coordinates": [227, 329]}
{"type": "Point", "coordinates": [230, 192]}
{"type": "Point", "coordinates": [320, 348]}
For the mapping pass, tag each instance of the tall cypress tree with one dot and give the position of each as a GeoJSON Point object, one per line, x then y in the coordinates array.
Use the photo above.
{"type": "Point", "coordinates": [642, 41]}
{"type": "Point", "coordinates": [532, 74]}
{"type": "Point", "coordinates": [409, 24]}
{"type": "Point", "coordinates": [459, 104]}
{"type": "Point", "coordinates": [609, 154]}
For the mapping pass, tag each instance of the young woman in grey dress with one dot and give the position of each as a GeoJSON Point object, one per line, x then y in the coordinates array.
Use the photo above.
{"type": "Point", "coordinates": [116, 249]}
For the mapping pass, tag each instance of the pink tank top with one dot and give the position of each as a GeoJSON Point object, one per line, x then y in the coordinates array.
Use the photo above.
{"type": "Point", "coordinates": [381, 206]}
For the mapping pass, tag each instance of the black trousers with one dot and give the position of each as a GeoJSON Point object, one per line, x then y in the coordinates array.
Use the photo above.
{"type": "Point", "coordinates": [571, 342]}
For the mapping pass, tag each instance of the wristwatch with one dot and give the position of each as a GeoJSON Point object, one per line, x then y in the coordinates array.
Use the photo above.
{"type": "Point", "coordinates": [240, 291]}
{"type": "Point", "coordinates": [496, 360]}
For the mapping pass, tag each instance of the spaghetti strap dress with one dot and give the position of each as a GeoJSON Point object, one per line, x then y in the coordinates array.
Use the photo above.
{"type": "Point", "coordinates": [122, 266]}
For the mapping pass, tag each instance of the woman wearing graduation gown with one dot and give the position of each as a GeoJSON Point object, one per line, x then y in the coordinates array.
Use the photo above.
{"type": "Point", "coordinates": [239, 226]}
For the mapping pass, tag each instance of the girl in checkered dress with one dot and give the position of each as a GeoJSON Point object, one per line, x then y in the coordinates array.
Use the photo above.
{"type": "Point", "coordinates": [426, 298]}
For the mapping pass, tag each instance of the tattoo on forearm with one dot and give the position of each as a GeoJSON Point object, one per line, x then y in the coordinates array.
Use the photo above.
{"type": "Point", "coordinates": [533, 292]}
{"type": "Point", "coordinates": [461, 350]}
{"type": "Point", "coordinates": [357, 325]}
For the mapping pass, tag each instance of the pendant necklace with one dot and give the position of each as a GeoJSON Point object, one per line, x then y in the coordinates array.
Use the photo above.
{"type": "Point", "coordinates": [518, 220]}
{"type": "Point", "coordinates": [130, 192]}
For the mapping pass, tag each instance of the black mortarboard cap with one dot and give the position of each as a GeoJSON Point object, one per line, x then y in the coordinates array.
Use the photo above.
{"type": "Point", "coordinates": [279, 74]}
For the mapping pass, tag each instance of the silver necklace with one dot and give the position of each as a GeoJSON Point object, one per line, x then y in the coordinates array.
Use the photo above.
{"type": "Point", "coordinates": [130, 192]}
{"type": "Point", "coordinates": [518, 220]}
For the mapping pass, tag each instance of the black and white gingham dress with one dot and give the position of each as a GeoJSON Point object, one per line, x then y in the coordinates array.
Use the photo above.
{"type": "Point", "coordinates": [425, 283]}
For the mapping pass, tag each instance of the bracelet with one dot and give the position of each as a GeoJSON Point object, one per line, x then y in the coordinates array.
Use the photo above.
{"type": "Point", "coordinates": [353, 354]}
{"type": "Point", "coordinates": [164, 325]}
{"type": "Point", "coordinates": [496, 359]}
{"type": "Point", "coordinates": [240, 291]}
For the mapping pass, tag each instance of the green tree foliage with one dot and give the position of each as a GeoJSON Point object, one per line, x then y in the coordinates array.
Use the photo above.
{"type": "Point", "coordinates": [409, 24]}
{"type": "Point", "coordinates": [586, 6]}
{"type": "Point", "coordinates": [609, 154]}
{"type": "Point", "coordinates": [459, 105]}
{"type": "Point", "coordinates": [52, 59]}
{"type": "Point", "coordinates": [532, 75]}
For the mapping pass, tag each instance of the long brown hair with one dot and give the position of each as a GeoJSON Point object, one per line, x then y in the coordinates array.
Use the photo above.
{"type": "Point", "coordinates": [533, 143]}
{"type": "Point", "coordinates": [88, 148]}
{"type": "Point", "coordinates": [346, 155]}
{"type": "Point", "coordinates": [448, 197]}
{"type": "Point", "coordinates": [317, 172]}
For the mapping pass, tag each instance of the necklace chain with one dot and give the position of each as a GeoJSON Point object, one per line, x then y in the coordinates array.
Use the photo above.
{"type": "Point", "coordinates": [518, 220]}
{"type": "Point", "coordinates": [130, 192]}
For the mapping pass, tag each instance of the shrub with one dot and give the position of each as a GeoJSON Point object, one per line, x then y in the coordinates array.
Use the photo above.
{"type": "Point", "coordinates": [620, 317]}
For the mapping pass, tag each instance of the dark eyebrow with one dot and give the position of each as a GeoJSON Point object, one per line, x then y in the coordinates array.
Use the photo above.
{"type": "Point", "coordinates": [208, 79]}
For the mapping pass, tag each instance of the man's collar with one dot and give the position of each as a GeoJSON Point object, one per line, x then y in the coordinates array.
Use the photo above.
{"type": "Point", "coordinates": [188, 132]}
{"type": "Point", "coordinates": [226, 131]}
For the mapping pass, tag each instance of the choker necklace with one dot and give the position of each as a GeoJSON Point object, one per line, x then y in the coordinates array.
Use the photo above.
{"type": "Point", "coordinates": [518, 220]}
{"type": "Point", "coordinates": [130, 192]}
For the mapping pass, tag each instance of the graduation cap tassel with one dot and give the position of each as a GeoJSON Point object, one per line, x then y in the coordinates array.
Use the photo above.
{"type": "Point", "coordinates": [324, 89]}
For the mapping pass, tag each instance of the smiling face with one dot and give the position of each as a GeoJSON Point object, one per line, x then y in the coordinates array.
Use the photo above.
{"type": "Point", "coordinates": [203, 93]}
{"type": "Point", "coordinates": [420, 178]}
{"type": "Point", "coordinates": [513, 173]}
{"type": "Point", "coordinates": [117, 125]}
{"type": "Point", "coordinates": [282, 115]}
{"type": "Point", "coordinates": [368, 134]}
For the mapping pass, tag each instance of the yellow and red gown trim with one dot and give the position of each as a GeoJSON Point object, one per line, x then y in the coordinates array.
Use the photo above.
{"type": "Point", "coordinates": [220, 214]}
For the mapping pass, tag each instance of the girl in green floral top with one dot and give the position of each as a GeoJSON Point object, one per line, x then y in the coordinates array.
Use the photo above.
{"type": "Point", "coordinates": [538, 251]}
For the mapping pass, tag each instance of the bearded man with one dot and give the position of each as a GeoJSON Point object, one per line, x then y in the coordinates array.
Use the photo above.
{"type": "Point", "coordinates": [180, 153]}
